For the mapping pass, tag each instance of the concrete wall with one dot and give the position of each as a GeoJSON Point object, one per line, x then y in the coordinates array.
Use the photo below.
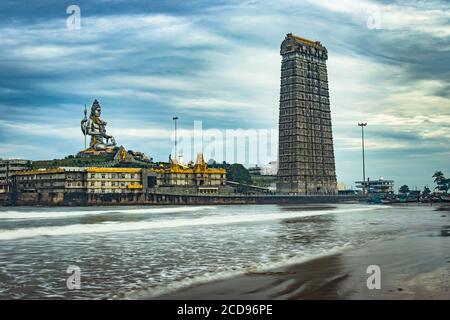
{"type": "Point", "coordinates": [94, 199]}
{"type": "Point", "coordinates": [4, 199]}
{"type": "Point", "coordinates": [39, 199]}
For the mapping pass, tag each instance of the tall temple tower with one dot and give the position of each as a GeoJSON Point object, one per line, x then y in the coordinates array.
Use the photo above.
{"type": "Point", "coordinates": [305, 152]}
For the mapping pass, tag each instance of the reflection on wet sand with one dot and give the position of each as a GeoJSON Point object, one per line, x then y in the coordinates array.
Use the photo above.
{"type": "Point", "coordinates": [312, 281]}
{"type": "Point", "coordinates": [411, 268]}
{"type": "Point", "coordinates": [306, 230]}
{"type": "Point", "coordinates": [445, 231]}
{"type": "Point", "coordinates": [305, 207]}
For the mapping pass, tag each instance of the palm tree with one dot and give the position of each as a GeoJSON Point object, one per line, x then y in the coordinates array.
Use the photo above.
{"type": "Point", "coordinates": [443, 184]}
{"type": "Point", "coordinates": [438, 177]}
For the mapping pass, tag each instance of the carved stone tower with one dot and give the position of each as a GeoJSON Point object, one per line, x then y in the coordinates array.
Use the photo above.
{"type": "Point", "coordinates": [305, 153]}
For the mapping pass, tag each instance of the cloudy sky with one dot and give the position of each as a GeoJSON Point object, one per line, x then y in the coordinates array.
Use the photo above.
{"type": "Point", "coordinates": [218, 62]}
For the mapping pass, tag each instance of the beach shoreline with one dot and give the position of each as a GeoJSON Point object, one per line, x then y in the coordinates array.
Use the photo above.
{"type": "Point", "coordinates": [416, 266]}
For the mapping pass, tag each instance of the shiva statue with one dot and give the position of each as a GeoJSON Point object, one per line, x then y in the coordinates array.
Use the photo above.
{"type": "Point", "coordinates": [96, 128]}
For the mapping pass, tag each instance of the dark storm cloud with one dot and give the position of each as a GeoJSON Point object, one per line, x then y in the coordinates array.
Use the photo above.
{"type": "Point", "coordinates": [12, 12]}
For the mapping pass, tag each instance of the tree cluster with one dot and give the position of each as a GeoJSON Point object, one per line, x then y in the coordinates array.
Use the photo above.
{"type": "Point", "coordinates": [442, 183]}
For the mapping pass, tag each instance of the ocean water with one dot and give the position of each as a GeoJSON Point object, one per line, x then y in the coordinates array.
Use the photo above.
{"type": "Point", "coordinates": [130, 252]}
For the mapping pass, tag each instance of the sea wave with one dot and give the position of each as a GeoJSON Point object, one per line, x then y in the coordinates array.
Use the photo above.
{"type": "Point", "coordinates": [161, 290]}
{"type": "Point", "coordinates": [212, 220]}
{"type": "Point", "coordinates": [17, 215]}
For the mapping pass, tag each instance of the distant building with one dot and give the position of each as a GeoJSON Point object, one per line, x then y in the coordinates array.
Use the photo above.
{"type": "Point", "coordinates": [271, 169]}
{"type": "Point", "coordinates": [341, 186]}
{"type": "Point", "coordinates": [4, 187]}
{"type": "Point", "coordinates": [376, 186]}
{"type": "Point", "coordinates": [114, 180]}
{"type": "Point", "coordinates": [196, 177]}
{"type": "Point", "coordinates": [262, 179]}
{"type": "Point", "coordinates": [175, 178]}
{"type": "Point", "coordinates": [7, 168]}
{"type": "Point", "coordinates": [343, 190]}
{"type": "Point", "coordinates": [347, 192]}
{"type": "Point", "coordinates": [305, 149]}
{"type": "Point", "coordinates": [50, 180]}
{"type": "Point", "coordinates": [255, 171]}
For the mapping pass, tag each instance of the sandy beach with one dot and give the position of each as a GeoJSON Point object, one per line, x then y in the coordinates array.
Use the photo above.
{"type": "Point", "coordinates": [416, 266]}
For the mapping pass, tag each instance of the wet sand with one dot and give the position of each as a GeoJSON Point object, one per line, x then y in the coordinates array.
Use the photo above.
{"type": "Point", "coordinates": [412, 267]}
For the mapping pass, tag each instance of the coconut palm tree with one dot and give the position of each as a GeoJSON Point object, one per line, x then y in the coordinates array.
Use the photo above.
{"type": "Point", "coordinates": [438, 177]}
{"type": "Point", "coordinates": [443, 184]}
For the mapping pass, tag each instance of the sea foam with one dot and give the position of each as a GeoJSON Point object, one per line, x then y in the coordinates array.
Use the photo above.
{"type": "Point", "coordinates": [68, 214]}
{"type": "Point", "coordinates": [212, 220]}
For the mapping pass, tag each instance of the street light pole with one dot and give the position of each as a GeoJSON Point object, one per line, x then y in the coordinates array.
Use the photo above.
{"type": "Point", "coordinates": [362, 125]}
{"type": "Point", "coordinates": [85, 118]}
{"type": "Point", "coordinates": [7, 176]}
{"type": "Point", "coordinates": [175, 120]}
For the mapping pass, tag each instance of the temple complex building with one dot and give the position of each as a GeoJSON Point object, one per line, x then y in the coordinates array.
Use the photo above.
{"type": "Point", "coordinates": [106, 168]}
{"type": "Point", "coordinates": [306, 162]}
{"type": "Point", "coordinates": [7, 168]}
{"type": "Point", "coordinates": [198, 175]}
{"type": "Point", "coordinates": [174, 178]}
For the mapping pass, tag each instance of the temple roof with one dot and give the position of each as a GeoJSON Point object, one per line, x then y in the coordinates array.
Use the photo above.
{"type": "Point", "coordinates": [305, 41]}
{"type": "Point", "coordinates": [293, 43]}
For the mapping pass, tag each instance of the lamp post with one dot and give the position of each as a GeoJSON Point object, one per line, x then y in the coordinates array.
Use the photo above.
{"type": "Point", "coordinates": [175, 120]}
{"type": "Point", "coordinates": [362, 125]}
{"type": "Point", "coordinates": [85, 119]}
{"type": "Point", "coordinates": [7, 175]}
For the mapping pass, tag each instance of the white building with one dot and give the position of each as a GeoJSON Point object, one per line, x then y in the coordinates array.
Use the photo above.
{"type": "Point", "coordinates": [341, 186]}
{"type": "Point", "coordinates": [376, 186]}
{"type": "Point", "coordinates": [271, 169]}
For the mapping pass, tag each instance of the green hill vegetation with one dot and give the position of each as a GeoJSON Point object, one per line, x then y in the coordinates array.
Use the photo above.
{"type": "Point", "coordinates": [72, 161]}
{"type": "Point", "coordinates": [236, 172]}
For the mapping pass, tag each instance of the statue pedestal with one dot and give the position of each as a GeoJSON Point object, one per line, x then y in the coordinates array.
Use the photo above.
{"type": "Point", "coordinates": [93, 153]}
